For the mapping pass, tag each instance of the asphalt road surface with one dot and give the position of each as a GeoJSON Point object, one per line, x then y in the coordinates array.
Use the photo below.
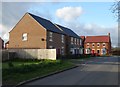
{"type": "Point", "coordinates": [96, 71]}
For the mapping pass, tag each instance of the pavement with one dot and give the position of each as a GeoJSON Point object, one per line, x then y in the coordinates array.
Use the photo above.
{"type": "Point", "coordinates": [95, 71]}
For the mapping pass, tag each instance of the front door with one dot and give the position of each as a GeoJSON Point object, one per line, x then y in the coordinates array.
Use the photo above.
{"type": "Point", "coordinates": [98, 51]}
{"type": "Point", "coordinates": [93, 51]}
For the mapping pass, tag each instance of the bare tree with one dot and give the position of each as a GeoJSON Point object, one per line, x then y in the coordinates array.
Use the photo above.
{"type": "Point", "coordinates": [116, 10]}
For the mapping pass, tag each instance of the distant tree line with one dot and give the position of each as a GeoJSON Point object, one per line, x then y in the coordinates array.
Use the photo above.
{"type": "Point", "coordinates": [116, 51]}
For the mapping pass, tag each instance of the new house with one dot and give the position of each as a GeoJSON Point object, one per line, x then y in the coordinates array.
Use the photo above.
{"type": "Point", "coordinates": [33, 32]}
{"type": "Point", "coordinates": [73, 41]}
{"type": "Point", "coordinates": [1, 43]}
{"type": "Point", "coordinates": [97, 44]}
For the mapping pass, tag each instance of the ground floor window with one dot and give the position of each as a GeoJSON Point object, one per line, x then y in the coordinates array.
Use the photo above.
{"type": "Point", "coordinates": [71, 50]}
{"type": "Point", "coordinates": [98, 51]}
{"type": "Point", "coordinates": [103, 51]}
{"type": "Point", "coordinates": [80, 51]}
{"type": "Point", "coordinates": [88, 51]}
{"type": "Point", "coordinates": [62, 50]}
{"type": "Point", "coordinates": [50, 47]}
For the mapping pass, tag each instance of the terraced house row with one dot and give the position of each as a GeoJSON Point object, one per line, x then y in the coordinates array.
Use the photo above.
{"type": "Point", "coordinates": [34, 32]}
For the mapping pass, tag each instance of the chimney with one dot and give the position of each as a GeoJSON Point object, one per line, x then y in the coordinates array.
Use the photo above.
{"type": "Point", "coordinates": [108, 34]}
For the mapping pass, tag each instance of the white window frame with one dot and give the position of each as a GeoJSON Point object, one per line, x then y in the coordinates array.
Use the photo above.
{"type": "Point", "coordinates": [75, 40]}
{"type": "Point", "coordinates": [50, 36]}
{"type": "Point", "coordinates": [71, 40]}
{"type": "Point", "coordinates": [104, 44]}
{"type": "Point", "coordinates": [80, 51]}
{"type": "Point", "coordinates": [102, 51]}
{"type": "Point", "coordinates": [80, 42]}
{"type": "Point", "coordinates": [97, 44]}
{"type": "Point", "coordinates": [99, 51]}
{"type": "Point", "coordinates": [62, 38]}
{"type": "Point", "coordinates": [24, 37]}
{"type": "Point", "coordinates": [87, 51]}
{"type": "Point", "coordinates": [93, 44]}
{"type": "Point", "coordinates": [62, 50]}
{"type": "Point", "coordinates": [88, 44]}
{"type": "Point", "coordinates": [50, 47]}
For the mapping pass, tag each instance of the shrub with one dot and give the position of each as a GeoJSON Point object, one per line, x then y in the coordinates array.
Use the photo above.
{"type": "Point", "coordinates": [10, 64]}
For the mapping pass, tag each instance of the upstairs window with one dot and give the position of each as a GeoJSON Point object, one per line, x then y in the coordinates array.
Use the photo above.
{"type": "Point", "coordinates": [98, 44]}
{"type": "Point", "coordinates": [75, 40]}
{"type": "Point", "coordinates": [80, 42]}
{"type": "Point", "coordinates": [62, 50]}
{"type": "Point", "coordinates": [24, 37]}
{"type": "Point", "coordinates": [88, 44]}
{"type": "Point", "coordinates": [62, 38]}
{"type": "Point", "coordinates": [71, 40]}
{"type": "Point", "coordinates": [50, 36]}
{"type": "Point", "coordinates": [93, 45]}
{"type": "Point", "coordinates": [103, 44]}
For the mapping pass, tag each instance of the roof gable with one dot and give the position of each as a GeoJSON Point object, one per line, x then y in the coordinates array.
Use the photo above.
{"type": "Point", "coordinates": [46, 24]}
{"type": "Point", "coordinates": [68, 32]}
{"type": "Point", "coordinates": [94, 39]}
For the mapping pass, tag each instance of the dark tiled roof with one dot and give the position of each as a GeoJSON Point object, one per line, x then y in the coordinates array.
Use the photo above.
{"type": "Point", "coordinates": [47, 24]}
{"type": "Point", "coordinates": [94, 39]}
{"type": "Point", "coordinates": [68, 32]}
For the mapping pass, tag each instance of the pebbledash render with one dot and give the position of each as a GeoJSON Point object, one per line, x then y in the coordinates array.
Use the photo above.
{"type": "Point", "coordinates": [97, 44]}
{"type": "Point", "coordinates": [34, 32]}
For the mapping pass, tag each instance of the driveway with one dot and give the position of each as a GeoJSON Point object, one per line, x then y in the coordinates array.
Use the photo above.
{"type": "Point", "coordinates": [95, 71]}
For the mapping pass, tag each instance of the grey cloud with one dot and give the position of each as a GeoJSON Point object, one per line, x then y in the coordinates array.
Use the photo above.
{"type": "Point", "coordinates": [12, 12]}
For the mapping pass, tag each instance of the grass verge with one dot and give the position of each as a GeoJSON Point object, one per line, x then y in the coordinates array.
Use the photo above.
{"type": "Point", "coordinates": [17, 71]}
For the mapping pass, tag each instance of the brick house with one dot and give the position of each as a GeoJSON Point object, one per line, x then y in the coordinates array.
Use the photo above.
{"type": "Point", "coordinates": [73, 41]}
{"type": "Point", "coordinates": [97, 44]}
{"type": "Point", "coordinates": [1, 43]}
{"type": "Point", "coordinates": [33, 32]}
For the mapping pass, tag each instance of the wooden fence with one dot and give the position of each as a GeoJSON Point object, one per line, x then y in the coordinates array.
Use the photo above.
{"type": "Point", "coordinates": [29, 54]}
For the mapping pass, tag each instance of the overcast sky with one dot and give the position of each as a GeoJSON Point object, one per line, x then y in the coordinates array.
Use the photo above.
{"type": "Point", "coordinates": [84, 18]}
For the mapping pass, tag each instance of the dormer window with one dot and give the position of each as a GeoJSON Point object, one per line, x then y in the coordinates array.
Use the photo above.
{"type": "Point", "coordinates": [24, 37]}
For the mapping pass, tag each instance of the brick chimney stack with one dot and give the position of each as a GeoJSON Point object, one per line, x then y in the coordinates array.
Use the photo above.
{"type": "Point", "coordinates": [108, 34]}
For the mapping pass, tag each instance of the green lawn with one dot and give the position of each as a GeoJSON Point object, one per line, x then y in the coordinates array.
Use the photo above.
{"type": "Point", "coordinates": [16, 71]}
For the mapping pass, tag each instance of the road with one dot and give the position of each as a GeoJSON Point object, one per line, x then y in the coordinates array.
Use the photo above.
{"type": "Point", "coordinates": [96, 71]}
